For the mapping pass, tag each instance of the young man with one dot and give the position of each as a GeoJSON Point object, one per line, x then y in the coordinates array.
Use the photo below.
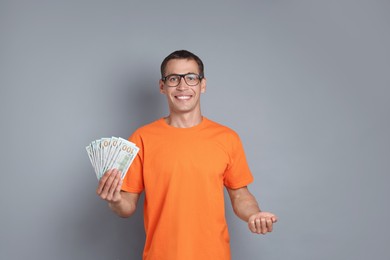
{"type": "Point", "coordinates": [184, 162]}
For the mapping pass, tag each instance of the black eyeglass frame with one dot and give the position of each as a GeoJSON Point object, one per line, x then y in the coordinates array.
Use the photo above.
{"type": "Point", "coordinates": [182, 76]}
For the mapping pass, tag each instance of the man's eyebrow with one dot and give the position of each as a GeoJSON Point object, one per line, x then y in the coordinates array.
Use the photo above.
{"type": "Point", "coordinates": [182, 74]}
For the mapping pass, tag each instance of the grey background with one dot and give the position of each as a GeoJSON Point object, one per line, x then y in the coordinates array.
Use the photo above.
{"type": "Point", "coordinates": [304, 83]}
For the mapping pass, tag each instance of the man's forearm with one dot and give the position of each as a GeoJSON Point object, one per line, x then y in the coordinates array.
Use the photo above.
{"type": "Point", "coordinates": [246, 208]}
{"type": "Point", "coordinates": [243, 202]}
{"type": "Point", "coordinates": [245, 205]}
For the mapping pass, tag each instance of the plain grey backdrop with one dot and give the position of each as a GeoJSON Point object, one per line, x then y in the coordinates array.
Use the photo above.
{"type": "Point", "coordinates": [305, 84]}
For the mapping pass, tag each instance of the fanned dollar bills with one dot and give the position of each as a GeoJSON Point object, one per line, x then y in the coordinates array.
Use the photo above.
{"type": "Point", "coordinates": [110, 153]}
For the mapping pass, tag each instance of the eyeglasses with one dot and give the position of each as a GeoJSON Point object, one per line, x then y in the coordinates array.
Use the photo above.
{"type": "Point", "coordinates": [173, 80]}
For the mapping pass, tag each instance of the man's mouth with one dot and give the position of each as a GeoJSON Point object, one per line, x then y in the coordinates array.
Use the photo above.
{"type": "Point", "coordinates": [183, 97]}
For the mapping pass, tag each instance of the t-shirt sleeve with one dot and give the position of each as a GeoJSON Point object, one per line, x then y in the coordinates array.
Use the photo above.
{"type": "Point", "coordinates": [133, 181]}
{"type": "Point", "coordinates": [237, 174]}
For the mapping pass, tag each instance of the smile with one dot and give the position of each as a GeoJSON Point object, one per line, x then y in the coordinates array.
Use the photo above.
{"type": "Point", "coordinates": [183, 97]}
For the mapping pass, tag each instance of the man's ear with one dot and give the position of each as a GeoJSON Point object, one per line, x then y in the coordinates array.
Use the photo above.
{"type": "Point", "coordinates": [161, 85]}
{"type": "Point", "coordinates": [203, 85]}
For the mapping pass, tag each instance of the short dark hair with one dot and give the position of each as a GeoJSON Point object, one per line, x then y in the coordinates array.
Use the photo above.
{"type": "Point", "coordinates": [182, 54]}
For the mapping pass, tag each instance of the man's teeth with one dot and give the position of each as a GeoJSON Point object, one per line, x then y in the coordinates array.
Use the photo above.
{"type": "Point", "coordinates": [183, 97]}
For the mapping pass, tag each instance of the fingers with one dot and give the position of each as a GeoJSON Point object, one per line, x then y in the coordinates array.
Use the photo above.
{"type": "Point", "coordinates": [260, 226]}
{"type": "Point", "coordinates": [268, 225]}
{"type": "Point", "coordinates": [113, 187]}
{"type": "Point", "coordinates": [103, 181]}
{"type": "Point", "coordinates": [252, 225]}
{"type": "Point", "coordinates": [110, 185]}
{"type": "Point", "coordinates": [261, 223]}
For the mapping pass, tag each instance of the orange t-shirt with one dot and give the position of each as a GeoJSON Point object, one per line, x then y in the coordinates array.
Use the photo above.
{"type": "Point", "coordinates": [183, 172]}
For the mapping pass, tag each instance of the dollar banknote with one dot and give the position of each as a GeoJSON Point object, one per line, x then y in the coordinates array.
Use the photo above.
{"type": "Point", "coordinates": [111, 153]}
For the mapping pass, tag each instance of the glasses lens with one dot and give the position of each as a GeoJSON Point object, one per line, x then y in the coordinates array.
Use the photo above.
{"type": "Point", "coordinates": [172, 80]}
{"type": "Point", "coordinates": [191, 79]}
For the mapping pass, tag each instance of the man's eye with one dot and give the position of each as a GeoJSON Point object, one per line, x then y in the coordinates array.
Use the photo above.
{"type": "Point", "coordinates": [173, 79]}
{"type": "Point", "coordinates": [191, 77]}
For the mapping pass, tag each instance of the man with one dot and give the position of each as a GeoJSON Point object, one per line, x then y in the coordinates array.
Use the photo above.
{"type": "Point", "coordinates": [184, 163]}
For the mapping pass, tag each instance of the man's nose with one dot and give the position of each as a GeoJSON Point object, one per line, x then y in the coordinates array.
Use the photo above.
{"type": "Point", "coordinates": [182, 84]}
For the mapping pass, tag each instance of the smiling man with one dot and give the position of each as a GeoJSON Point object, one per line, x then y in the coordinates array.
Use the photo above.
{"type": "Point", "coordinates": [183, 95]}
{"type": "Point", "coordinates": [184, 162]}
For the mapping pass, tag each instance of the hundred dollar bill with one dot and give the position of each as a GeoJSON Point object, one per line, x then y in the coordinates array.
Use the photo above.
{"type": "Point", "coordinates": [94, 149]}
{"type": "Point", "coordinates": [105, 146]}
{"type": "Point", "coordinates": [92, 158]}
{"type": "Point", "coordinates": [109, 153]}
{"type": "Point", "coordinates": [124, 157]}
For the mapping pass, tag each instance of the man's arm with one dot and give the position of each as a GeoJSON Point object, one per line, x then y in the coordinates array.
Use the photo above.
{"type": "Point", "coordinates": [122, 203]}
{"type": "Point", "coordinates": [246, 208]}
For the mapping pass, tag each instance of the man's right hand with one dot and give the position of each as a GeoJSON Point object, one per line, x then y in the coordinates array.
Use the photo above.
{"type": "Point", "coordinates": [109, 188]}
{"type": "Point", "coordinates": [122, 203]}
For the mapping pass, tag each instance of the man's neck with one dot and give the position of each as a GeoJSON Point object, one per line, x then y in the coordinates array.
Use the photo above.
{"type": "Point", "coordinates": [184, 120]}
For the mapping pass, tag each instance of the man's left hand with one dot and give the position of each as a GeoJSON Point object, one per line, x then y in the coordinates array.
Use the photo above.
{"type": "Point", "coordinates": [262, 222]}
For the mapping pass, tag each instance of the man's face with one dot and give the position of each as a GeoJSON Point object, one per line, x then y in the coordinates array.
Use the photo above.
{"type": "Point", "coordinates": [183, 98]}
